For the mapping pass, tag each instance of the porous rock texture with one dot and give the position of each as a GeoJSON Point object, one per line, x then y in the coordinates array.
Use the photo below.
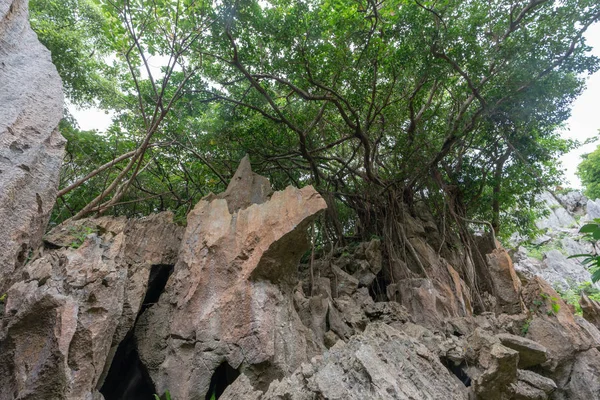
{"type": "Point", "coordinates": [64, 320]}
{"type": "Point", "coordinates": [380, 363]}
{"type": "Point", "coordinates": [31, 148]}
{"type": "Point", "coordinates": [230, 298]}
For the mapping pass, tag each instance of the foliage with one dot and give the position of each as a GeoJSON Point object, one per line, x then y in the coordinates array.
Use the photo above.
{"type": "Point", "coordinates": [3, 298]}
{"type": "Point", "coordinates": [80, 234]}
{"type": "Point", "coordinates": [388, 108]}
{"type": "Point", "coordinates": [541, 304]}
{"type": "Point", "coordinates": [573, 294]}
{"type": "Point", "coordinates": [592, 261]}
{"type": "Point", "coordinates": [589, 173]}
{"type": "Point", "coordinates": [167, 396]}
{"type": "Point", "coordinates": [74, 32]}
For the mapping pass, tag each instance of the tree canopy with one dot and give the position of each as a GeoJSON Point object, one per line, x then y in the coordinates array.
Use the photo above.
{"type": "Point", "coordinates": [589, 173]}
{"type": "Point", "coordinates": [379, 105]}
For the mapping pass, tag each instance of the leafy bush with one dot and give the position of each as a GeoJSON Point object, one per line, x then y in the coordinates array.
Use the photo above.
{"type": "Point", "coordinates": [573, 294]}
{"type": "Point", "coordinates": [591, 261]}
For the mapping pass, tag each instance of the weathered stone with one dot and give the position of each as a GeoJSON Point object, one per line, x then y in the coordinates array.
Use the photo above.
{"type": "Point", "coordinates": [553, 325]}
{"type": "Point", "coordinates": [342, 283]}
{"type": "Point", "coordinates": [65, 319]}
{"type": "Point", "coordinates": [230, 298]}
{"type": "Point", "coordinates": [31, 148]}
{"type": "Point", "coordinates": [540, 382]}
{"type": "Point", "coordinates": [500, 372]}
{"type": "Point", "coordinates": [430, 303]}
{"type": "Point", "coordinates": [583, 382]}
{"type": "Point", "coordinates": [573, 201]}
{"type": "Point", "coordinates": [591, 310]}
{"type": "Point", "coordinates": [246, 188]}
{"type": "Point", "coordinates": [593, 209]}
{"type": "Point", "coordinates": [506, 284]}
{"type": "Point", "coordinates": [385, 364]}
{"type": "Point", "coordinates": [530, 352]}
{"type": "Point", "coordinates": [557, 217]}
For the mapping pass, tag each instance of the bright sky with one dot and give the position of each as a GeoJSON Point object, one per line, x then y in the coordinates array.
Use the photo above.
{"type": "Point", "coordinates": [583, 124]}
{"type": "Point", "coordinates": [585, 117]}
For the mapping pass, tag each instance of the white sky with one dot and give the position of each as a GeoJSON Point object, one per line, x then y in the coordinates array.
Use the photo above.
{"type": "Point", "coordinates": [583, 123]}
{"type": "Point", "coordinates": [585, 117]}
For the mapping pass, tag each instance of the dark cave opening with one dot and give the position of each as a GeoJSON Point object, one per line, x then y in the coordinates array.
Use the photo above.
{"type": "Point", "coordinates": [457, 370]}
{"type": "Point", "coordinates": [223, 376]}
{"type": "Point", "coordinates": [128, 378]}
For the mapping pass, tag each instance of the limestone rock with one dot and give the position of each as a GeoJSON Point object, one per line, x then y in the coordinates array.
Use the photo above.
{"type": "Point", "coordinates": [384, 364]}
{"type": "Point", "coordinates": [547, 385]}
{"type": "Point", "coordinates": [430, 302]}
{"type": "Point", "coordinates": [591, 310]}
{"type": "Point", "coordinates": [553, 324]}
{"type": "Point", "coordinates": [593, 209]}
{"type": "Point", "coordinates": [558, 216]}
{"type": "Point", "coordinates": [31, 148]}
{"type": "Point", "coordinates": [530, 352]}
{"type": "Point", "coordinates": [506, 284]}
{"type": "Point", "coordinates": [583, 382]}
{"type": "Point", "coordinates": [230, 298]}
{"type": "Point", "coordinates": [532, 386]}
{"type": "Point", "coordinates": [66, 317]}
{"type": "Point", "coordinates": [246, 188]}
{"type": "Point", "coordinates": [573, 201]}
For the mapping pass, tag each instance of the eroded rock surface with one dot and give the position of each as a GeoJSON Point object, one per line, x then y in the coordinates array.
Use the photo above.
{"type": "Point", "coordinates": [31, 148]}
{"type": "Point", "coordinates": [74, 305]}
{"type": "Point", "coordinates": [380, 363]}
{"type": "Point", "coordinates": [230, 298]}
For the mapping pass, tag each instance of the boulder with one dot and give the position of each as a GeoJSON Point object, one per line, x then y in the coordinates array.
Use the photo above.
{"type": "Point", "coordinates": [31, 148]}
{"type": "Point", "coordinates": [593, 210]}
{"type": "Point", "coordinates": [530, 352]}
{"type": "Point", "coordinates": [532, 386]}
{"type": "Point", "coordinates": [506, 286]}
{"type": "Point", "coordinates": [230, 300]}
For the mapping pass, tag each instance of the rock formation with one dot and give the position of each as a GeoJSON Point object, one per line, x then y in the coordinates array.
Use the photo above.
{"type": "Point", "coordinates": [120, 309]}
{"type": "Point", "coordinates": [230, 298]}
{"type": "Point", "coordinates": [31, 148]}
{"type": "Point", "coordinates": [76, 303]}
{"type": "Point", "coordinates": [560, 239]}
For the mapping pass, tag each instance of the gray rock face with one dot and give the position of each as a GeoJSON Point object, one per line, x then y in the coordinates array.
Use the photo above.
{"type": "Point", "coordinates": [583, 383]}
{"type": "Point", "coordinates": [384, 364]}
{"type": "Point", "coordinates": [230, 298]}
{"type": "Point", "coordinates": [558, 216]}
{"type": "Point", "coordinates": [593, 210]}
{"type": "Point", "coordinates": [574, 202]}
{"type": "Point", "coordinates": [74, 306]}
{"type": "Point", "coordinates": [31, 148]}
{"type": "Point", "coordinates": [555, 268]}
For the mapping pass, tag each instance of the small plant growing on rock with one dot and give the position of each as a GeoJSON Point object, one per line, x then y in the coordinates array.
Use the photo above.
{"type": "Point", "coordinates": [79, 235]}
{"type": "Point", "coordinates": [592, 261]}
{"type": "Point", "coordinates": [167, 396]}
{"type": "Point", "coordinates": [525, 327]}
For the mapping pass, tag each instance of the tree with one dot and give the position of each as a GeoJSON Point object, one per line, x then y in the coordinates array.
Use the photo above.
{"type": "Point", "coordinates": [387, 108]}
{"type": "Point", "coordinates": [75, 33]}
{"type": "Point", "coordinates": [589, 173]}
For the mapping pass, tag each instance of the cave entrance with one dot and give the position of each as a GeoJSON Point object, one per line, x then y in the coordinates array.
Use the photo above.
{"type": "Point", "coordinates": [223, 376]}
{"type": "Point", "coordinates": [457, 370]}
{"type": "Point", "coordinates": [127, 377]}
